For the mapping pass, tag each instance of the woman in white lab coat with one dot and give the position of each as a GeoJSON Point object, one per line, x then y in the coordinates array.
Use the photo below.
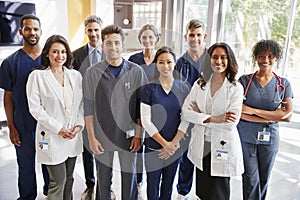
{"type": "Point", "coordinates": [214, 106]}
{"type": "Point", "coordinates": [55, 100]}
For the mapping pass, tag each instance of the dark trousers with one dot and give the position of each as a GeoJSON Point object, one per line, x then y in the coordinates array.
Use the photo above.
{"type": "Point", "coordinates": [186, 167]}
{"type": "Point", "coordinates": [185, 175]}
{"type": "Point", "coordinates": [26, 169]}
{"type": "Point", "coordinates": [88, 165]}
{"type": "Point", "coordinates": [211, 187]}
{"type": "Point", "coordinates": [104, 164]}
{"type": "Point", "coordinates": [259, 160]}
{"type": "Point", "coordinates": [140, 164]}
{"type": "Point", "coordinates": [160, 174]}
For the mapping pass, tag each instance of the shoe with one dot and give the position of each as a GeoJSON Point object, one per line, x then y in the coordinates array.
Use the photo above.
{"type": "Point", "coordinates": [112, 195]}
{"type": "Point", "coordinates": [180, 197]}
{"type": "Point", "coordinates": [140, 191]}
{"type": "Point", "coordinates": [87, 194]}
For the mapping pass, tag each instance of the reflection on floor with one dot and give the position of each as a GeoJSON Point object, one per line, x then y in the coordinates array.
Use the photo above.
{"type": "Point", "coordinates": [284, 183]}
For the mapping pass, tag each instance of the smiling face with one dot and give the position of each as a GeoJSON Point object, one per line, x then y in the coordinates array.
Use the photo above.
{"type": "Point", "coordinates": [266, 61]}
{"type": "Point", "coordinates": [219, 60]}
{"type": "Point", "coordinates": [195, 38]}
{"type": "Point", "coordinates": [113, 47]}
{"type": "Point", "coordinates": [31, 31]}
{"type": "Point", "coordinates": [93, 32]}
{"type": "Point", "coordinates": [165, 65]}
{"type": "Point", "coordinates": [148, 39]}
{"type": "Point", "coordinates": [57, 55]}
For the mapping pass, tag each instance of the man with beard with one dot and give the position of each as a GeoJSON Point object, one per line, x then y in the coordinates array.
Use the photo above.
{"type": "Point", "coordinates": [14, 73]}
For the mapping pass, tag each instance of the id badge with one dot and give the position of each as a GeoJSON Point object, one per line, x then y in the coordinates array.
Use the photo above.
{"type": "Point", "coordinates": [130, 133]}
{"type": "Point", "coordinates": [43, 145]}
{"type": "Point", "coordinates": [222, 155]}
{"type": "Point", "coordinates": [263, 136]}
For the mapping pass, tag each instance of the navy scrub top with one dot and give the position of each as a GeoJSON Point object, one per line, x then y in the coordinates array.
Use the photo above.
{"type": "Point", "coordinates": [265, 98]}
{"type": "Point", "coordinates": [14, 73]}
{"type": "Point", "coordinates": [165, 109]}
{"type": "Point", "coordinates": [138, 58]}
{"type": "Point", "coordinates": [185, 64]}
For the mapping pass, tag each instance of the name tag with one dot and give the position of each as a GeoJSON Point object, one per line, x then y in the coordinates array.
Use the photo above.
{"type": "Point", "coordinates": [263, 136]}
{"type": "Point", "coordinates": [221, 155]}
{"type": "Point", "coordinates": [130, 133]}
{"type": "Point", "coordinates": [43, 146]}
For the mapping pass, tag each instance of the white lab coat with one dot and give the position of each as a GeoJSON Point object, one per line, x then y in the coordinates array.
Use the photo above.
{"type": "Point", "coordinates": [229, 97]}
{"type": "Point", "coordinates": [46, 105]}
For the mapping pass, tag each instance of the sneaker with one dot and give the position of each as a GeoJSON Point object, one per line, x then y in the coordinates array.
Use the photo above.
{"type": "Point", "coordinates": [180, 197]}
{"type": "Point", "coordinates": [87, 194]}
{"type": "Point", "coordinates": [140, 192]}
{"type": "Point", "coordinates": [112, 195]}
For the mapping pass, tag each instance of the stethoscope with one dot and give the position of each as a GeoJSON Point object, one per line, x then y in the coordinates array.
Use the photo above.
{"type": "Point", "coordinates": [279, 85]}
{"type": "Point", "coordinates": [187, 66]}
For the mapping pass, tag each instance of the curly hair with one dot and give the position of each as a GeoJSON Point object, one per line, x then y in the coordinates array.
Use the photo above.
{"type": "Point", "coordinates": [232, 66]}
{"type": "Point", "coordinates": [263, 46]}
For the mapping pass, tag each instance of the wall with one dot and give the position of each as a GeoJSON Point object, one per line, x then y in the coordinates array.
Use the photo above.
{"type": "Point", "coordinates": [54, 20]}
{"type": "Point", "coordinates": [78, 10]}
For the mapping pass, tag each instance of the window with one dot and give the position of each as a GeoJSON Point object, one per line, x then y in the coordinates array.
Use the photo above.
{"type": "Point", "coordinates": [147, 13]}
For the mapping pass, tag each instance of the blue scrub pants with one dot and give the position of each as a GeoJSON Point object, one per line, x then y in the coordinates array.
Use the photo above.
{"type": "Point", "coordinates": [26, 169]}
{"type": "Point", "coordinates": [104, 164]}
{"type": "Point", "coordinates": [259, 160]}
{"type": "Point", "coordinates": [140, 165]}
{"type": "Point", "coordinates": [186, 170]}
{"type": "Point", "coordinates": [88, 165]}
{"type": "Point", "coordinates": [160, 173]}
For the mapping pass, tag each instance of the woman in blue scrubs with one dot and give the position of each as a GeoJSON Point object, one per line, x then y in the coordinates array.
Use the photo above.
{"type": "Point", "coordinates": [267, 100]}
{"type": "Point", "coordinates": [161, 102]}
{"type": "Point", "coordinates": [148, 36]}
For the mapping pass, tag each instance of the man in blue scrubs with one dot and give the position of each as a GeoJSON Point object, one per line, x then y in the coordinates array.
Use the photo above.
{"type": "Point", "coordinates": [189, 67]}
{"type": "Point", "coordinates": [14, 72]}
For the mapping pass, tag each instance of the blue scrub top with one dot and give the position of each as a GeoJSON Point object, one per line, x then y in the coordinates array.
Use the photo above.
{"type": "Point", "coordinates": [165, 108]}
{"type": "Point", "coordinates": [14, 73]}
{"type": "Point", "coordinates": [185, 64]}
{"type": "Point", "coordinates": [266, 98]}
{"type": "Point", "coordinates": [138, 58]}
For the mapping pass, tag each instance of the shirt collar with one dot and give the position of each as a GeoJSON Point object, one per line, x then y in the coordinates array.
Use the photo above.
{"type": "Point", "coordinates": [92, 49]}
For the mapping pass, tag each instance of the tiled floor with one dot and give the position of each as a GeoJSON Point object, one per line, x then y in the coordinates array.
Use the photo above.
{"type": "Point", "coordinates": [284, 184]}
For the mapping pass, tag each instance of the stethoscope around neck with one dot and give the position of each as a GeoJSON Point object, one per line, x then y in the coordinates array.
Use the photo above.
{"type": "Point", "coordinates": [279, 85]}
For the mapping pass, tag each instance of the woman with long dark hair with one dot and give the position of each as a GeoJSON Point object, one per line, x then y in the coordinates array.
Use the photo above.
{"type": "Point", "coordinates": [55, 100]}
{"type": "Point", "coordinates": [214, 106]}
